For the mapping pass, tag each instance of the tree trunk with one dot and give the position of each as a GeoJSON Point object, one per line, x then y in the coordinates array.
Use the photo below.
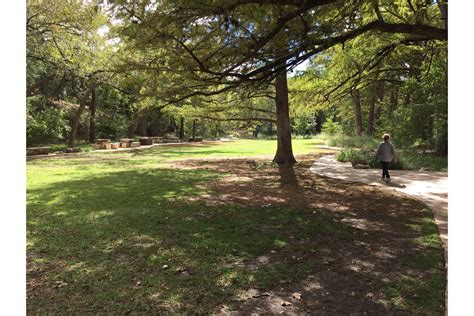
{"type": "Point", "coordinates": [373, 101]}
{"type": "Point", "coordinates": [358, 116]}
{"type": "Point", "coordinates": [194, 129]}
{"type": "Point", "coordinates": [319, 122]}
{"type": "Point", "coordinates": [133, 125]}
{"type": "Point", "coordinates": [393, 103]}
{"type": "Point", "coordinates": [181, 128]}
{"type": "Point", "coordinates": [284, 154]}
{"type": "Point", "coordinates": [142, 125]}
{"type": "Point", "coordinates": [443, 9]}
{"type": "Point", "coordinates": [270, 130]}
{"type": "Point", "coordinates": [173, 127]}
{"type": "Point", "coordinates": [92, 117]}
{"type": "Point", "coordinates": [75, 125]}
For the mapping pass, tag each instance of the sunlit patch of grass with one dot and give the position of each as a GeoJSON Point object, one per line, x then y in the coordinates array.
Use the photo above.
{"type": "Point", "coordinates": [280, 243]}
{"type": "Point", "coordinates": [227, 278]}
{"type": "Point", "coordinates": [429, 232]}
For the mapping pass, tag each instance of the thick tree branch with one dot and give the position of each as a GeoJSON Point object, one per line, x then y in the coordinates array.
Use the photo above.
{"type": "Point", "coordinates": [280, 25]}
{"type": "Point", "coordinates": [426, 31]}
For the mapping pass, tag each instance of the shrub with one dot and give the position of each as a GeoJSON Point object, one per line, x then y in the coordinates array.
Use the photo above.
{"type": "Point", "coordinates": [415, 160]}
{"type": "Point", "coordinates": [44, 122]}
{"type": "Point", "coordinates": [303, 125]}
{"type": "Point", "coordinates": [365, 157]}
{"type": "Point", "coordinates": [330, 127]}
{"type": "Point", "coordinates": [349, 154]}
{"type": "Point", "coordinates": [111, 125]}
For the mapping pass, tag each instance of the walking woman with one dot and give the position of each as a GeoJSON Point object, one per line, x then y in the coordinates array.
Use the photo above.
{"type": "Point", "coordinates": [385, 154]}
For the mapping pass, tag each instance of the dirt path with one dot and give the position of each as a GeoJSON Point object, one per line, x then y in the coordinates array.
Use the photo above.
{"type": "Point", "coordinates": [429, 187]}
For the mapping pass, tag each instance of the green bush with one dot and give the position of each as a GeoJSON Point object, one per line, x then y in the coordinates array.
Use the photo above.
{"type": "Point", "coordinates": [362, 149]}
{"type": "Point", "coordinates": [110, 125]}
{"type": "Point", "coordinates": [332, 128]}
{"type": "Point", "coordinates": [303, 126]}
{"type": "Point", "coordinates": [415, 160]}
{"type": "Point", "coordinates": [365, 157]}
{"type": "Point", "coordinates": [349, 154]}
{"type": "Point", "coordinates": [409, 160]}
{"type": "Point", "coordinates": [44, 122]}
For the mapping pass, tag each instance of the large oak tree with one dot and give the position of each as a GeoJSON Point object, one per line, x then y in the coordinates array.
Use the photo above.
{"type": "Point", "coordinates": [206, 47]}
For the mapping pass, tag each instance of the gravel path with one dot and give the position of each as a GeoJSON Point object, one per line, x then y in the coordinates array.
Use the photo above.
{"type": "Point", "coordinates": [429, 187]}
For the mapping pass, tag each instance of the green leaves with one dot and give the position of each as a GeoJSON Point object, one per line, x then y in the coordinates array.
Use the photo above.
{"type": "Point", "coordinates": [44, 123]}
{"type": "Point", "coordinates": [64, 38]}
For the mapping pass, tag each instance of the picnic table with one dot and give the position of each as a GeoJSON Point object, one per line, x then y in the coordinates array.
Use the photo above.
{"type": "Point", "coordinates": [145, 140]}
{"type": "Point", "coordinates": [172, 140]}
{"type": "Point", "coordinates": [103, 143]}
{"type": "Point", "coordinates": [125, 142]}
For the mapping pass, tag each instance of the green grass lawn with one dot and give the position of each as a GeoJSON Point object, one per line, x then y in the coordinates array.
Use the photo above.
{"type": "Point", "coordinates": [231, 149]}
{"type": "Point", "coordinates": [117, 233]}
{"type": "Point", "coordinates": [159, 154]}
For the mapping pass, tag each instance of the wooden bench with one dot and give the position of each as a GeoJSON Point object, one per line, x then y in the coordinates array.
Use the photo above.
{"type": "Point", "coordinates": [135, 144]}
{"type": "Point", "coordinates": [145, 140]}
{"type": "Point", "coordinates": [125, 142]}
{"type": "Point", "coordinates": [101, 143]}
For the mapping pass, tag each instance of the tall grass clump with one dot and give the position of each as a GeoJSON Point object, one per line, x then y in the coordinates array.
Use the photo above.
{"type": "Point", "coordinates": [414, 160]}
{"type": "Point", "coordinates": [349, 154]}
{"type": "Point", "coordinates": [406, 160]}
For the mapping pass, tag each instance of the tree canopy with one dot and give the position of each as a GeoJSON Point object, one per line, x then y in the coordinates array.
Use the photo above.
{"type": "Point", "coordinates": [221, 45]}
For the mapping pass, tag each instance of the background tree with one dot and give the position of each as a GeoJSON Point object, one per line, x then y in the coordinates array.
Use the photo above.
{"type": "Point", "coordinates": [66, 55]}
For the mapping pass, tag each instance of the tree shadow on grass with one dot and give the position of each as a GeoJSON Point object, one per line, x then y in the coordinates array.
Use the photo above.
{"type": "Point", "coordinates": [381, 237]}
{"type": "Point", "coordinates": [136, 241]}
